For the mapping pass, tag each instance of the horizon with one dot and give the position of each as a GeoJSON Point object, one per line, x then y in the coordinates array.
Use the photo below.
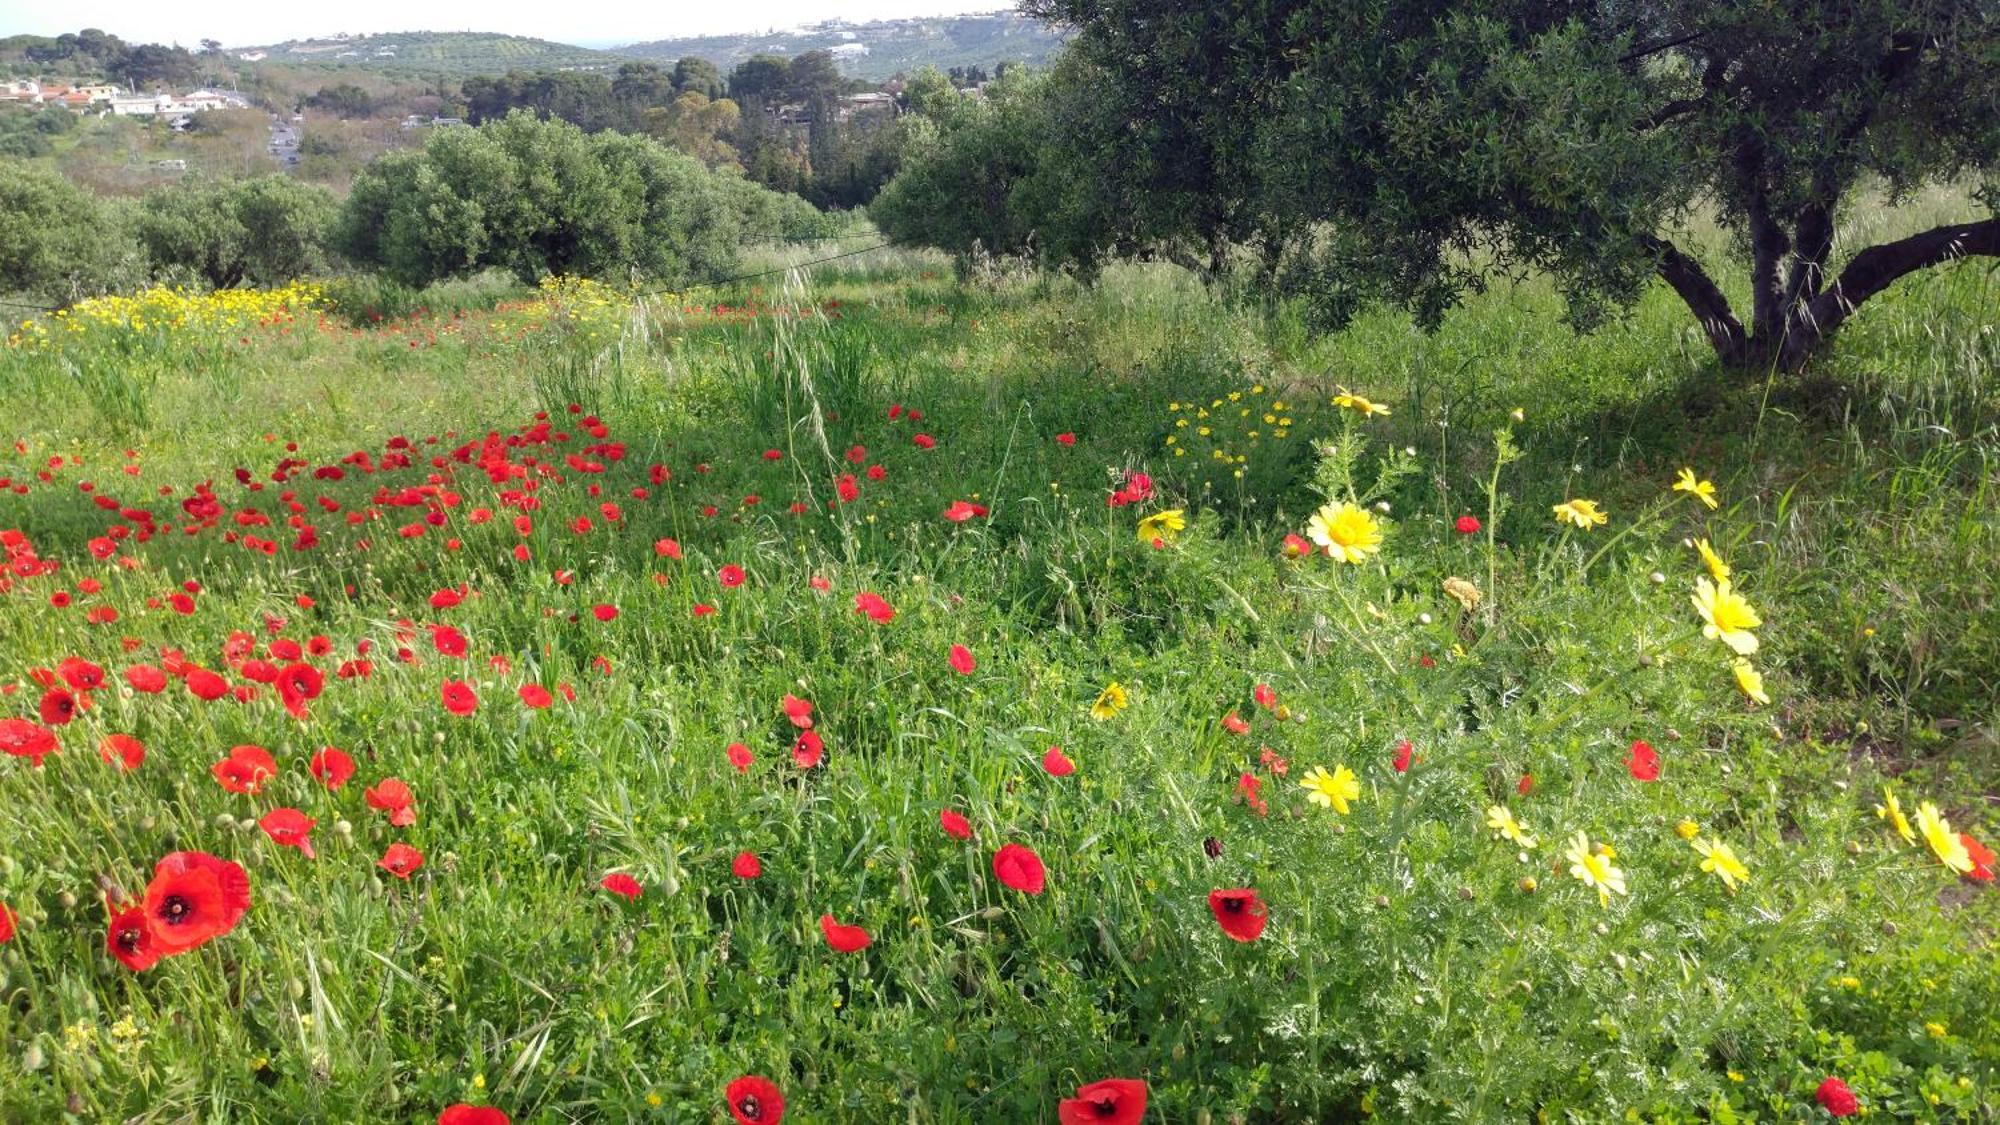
{"type": "Point", "coordinates": [238, 24]}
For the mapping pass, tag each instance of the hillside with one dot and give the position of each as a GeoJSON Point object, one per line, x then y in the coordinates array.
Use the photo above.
{"type": "Point", "coordinates": [452, 52]}
{"type": "Point", "coordinates": [880, 48]}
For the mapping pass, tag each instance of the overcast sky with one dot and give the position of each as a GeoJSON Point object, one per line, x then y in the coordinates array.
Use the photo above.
{"type": "Point", "coordinates": [242, 23]}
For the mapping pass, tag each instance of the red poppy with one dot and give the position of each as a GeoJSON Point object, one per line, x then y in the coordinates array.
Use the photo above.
{"type": "Point", "coordinates": [667, 548]}
{"type": "Point", "coordinates": [123, 751]}
{"type": "Point", "coordinates": [400, 860]}
{"type": "Point", "coordinates": [1239, 912]}
{"type": "Point", "coordinates": [536, 696]}
{"type": "Point", "coordinates": [604, 612]}
{"type": "Point", "coordinates": [1065, 439]}
{"type": "Point", "coordinates": [1114, 1101]}
{"type": "Point", "coordinates": [463, 1114]}
{"type": "Point", "coordinates": [1235, 723]}
{"type": "Point", "coordinates": [459, 698]}
{"type": "Point", "coordinates": [923, 441]}
{"type": "Point", "coordinates": [703, 610]}
{"type": "Point", "coordinates": [332, 768]}
{"type": "Point", "coordinates": [739, 756]}
{"type": "Point", "coordinates": [7, 917]}
{"type": "Point", "coordinates": [23, 739]}
{"type": "Point", "coordinates": [81, 674]}
{"type": "Point", "coordinates": [1057, 763]}
{"type": "Point", "coordinates": [1982, 859]}
{"type": "Point", "coordinates": [146, 678]}
{"type": "Point", "coordinates": [874, 607]}
{"type": "Point", "coordinates": [955, 825]}
{"type": "Point", "coordinates": [843, 939]}
{"type": "Point", "coordinates": [58, 707]}
{"type": "Point", "coordinates": [1296, 547]}
{"type": "Point", "coordinates": [206, 685]}
{"type": "Point", "coordinates": [622, 885]}
{"type": "Point", "coordinates": [193, 899]}
{"type": "Point", "coordinates": [1265, 697]}
{"type": "Point", "coordinates": [298, 685]}
{"type": "Point", "coordinates": [446, 598]}
{"type": "Point", "coordinates": [808, 750]}
{"type": "Point", "coordinates": [246, 769]}
{"type": "Point", "coordinates": [754, 1100]}
{"type": "Point", "coordinates": [1467, 525]}
{"type": "Point", "coordinates": [1250, 788]}
{"type": "Point", "coordinates": [1526, 783]}
{"type": "Point", "coordinates": [961, 660]}
{"type": "Point", "coordinates": [1019, 868]}
{"type": "Point", "coordinates": [1834, 1097]}
{"type": "Point", "coordinates": [731, 576]}
{"type": "Point", "coordinates": [1405, 754]}
{"type": "Point", "coordinates": [746, 865]}
{"type": "Point", "coordinates": [799, 711]}
{"type": "Point", "coordinates": [393, 796]}
{"type": "Point", "coordinates": [289, 828]}
{"type": "Point", "coordinates": [448, 641]}
{"type": "Point", "coordinates": [962, 510]}
{"type": "Point", "coordinates": [1643, 761]}
{"type": "Point", "coordinates": [130, 940]}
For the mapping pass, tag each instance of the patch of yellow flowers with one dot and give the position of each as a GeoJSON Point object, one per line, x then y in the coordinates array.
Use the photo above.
{"type": "Point", "coordinates": [174, 312]}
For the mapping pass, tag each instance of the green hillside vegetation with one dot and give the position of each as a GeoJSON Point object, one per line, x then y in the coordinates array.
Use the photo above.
{"type": "Point", "coordinates": [894, 46]}
{"type": "Point", "coordinates": [451, 52]}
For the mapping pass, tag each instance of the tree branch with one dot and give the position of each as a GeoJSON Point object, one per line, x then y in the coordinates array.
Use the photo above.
{"type": "Point", "coordinates": [1879, 267]}
{"type": "Point", "coordinates": [1703, 297]}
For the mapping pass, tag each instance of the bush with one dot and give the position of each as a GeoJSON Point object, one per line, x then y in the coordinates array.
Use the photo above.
{"type": "Point", "coordinates": [262, 231]}
{"type": "Point", "coordinates": [57, 242]}
{"type": "Point", "coordinates": [542, 198]}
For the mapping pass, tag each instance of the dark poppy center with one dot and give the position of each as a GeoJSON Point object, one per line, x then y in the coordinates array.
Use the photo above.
{"type": "Point", "coordinates": [175, 910]}
{"type": "Point", "coordinates": [128, 940]}
{"type": "Point", "coordinates": [1233, 905]}
{"type": "Point", "coordinates": [749, 1107]}
{"type": "Point", "coordinates": [1106, 1106]}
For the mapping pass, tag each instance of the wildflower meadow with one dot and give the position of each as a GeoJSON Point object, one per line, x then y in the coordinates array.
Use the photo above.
{"type": "Point", "coordinates": [872, 696]}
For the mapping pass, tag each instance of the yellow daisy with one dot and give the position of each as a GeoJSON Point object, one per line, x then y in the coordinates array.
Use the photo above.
{"type": "Point", "coordinates": [1582, 513]}
{"type": "Point", "coordinates": [1728, 615]}
{"type": "Point", "coordinates": [1702, 490]}
{"type": "Point", "coordinates": [1331, 790]}
{"type": "Point", "coordinates": [1347, 532]}
{"type": "Point", "coordinates": [1595, 869]}
{"type": "Point", "coordinates": [1110, 701]}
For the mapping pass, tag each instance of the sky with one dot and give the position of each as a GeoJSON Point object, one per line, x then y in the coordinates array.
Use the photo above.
{"type": "Point", "coordinates": [244, 23]}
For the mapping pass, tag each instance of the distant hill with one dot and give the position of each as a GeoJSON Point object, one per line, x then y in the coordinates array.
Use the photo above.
{"type": "Point", "coordinates": [450, 52]}
{"type": "Point", "coordinates": [880, 48]}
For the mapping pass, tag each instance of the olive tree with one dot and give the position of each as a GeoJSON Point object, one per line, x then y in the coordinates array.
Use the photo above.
{"type": "Point", "coordinates": [1409, 150]}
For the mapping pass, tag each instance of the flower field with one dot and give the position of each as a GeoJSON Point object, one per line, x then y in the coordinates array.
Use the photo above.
{"type": "Point", "coordinates": [897, 702]}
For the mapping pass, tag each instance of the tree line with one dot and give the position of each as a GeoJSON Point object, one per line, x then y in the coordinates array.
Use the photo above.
{"type": "Point", "coordinates": [1410, 153]}
{"type": "Point", "coordinates": [528, 196]}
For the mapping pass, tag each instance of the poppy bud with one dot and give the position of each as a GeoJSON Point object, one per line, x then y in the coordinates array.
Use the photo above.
{"type": "Point", "coordinates": [1465, 894]}
{"type": "Point", "coordinates": [32, 1058]}
{"type": "Point", "coordinates": [1381, 902]}
{"type": "Point", "coordinates": [67, 899]}
{"type": "Point", "coordinates": [992, 912]}
{"type": "Point", "coordinates": [224, 820]}
{"type": "Point", "coordinates": [1528, 884]}
{"type": "Point", "coordinates": [1213, 847]}
{"type": "Point", "coordinates": [1423, 618]}
{"type": "Point", "coordinates": [343, 829]}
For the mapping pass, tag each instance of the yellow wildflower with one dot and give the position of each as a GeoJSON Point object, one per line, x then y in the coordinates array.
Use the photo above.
{"type": "Point", "coordinates": [1582, 513]}
{"type": "Point", "coordinates": [1162, 525]}
{"type": "Point", "coordinates": [1348, 533]}
{"type": "Point", "coordinates": [1749, 681]}
{"type": "Point", "coordinates": [1729, 616]}
{"type": "Point", "coordinates": [1949, 849]}
{"type": "Point", "coordinates": [1110, 701]}
{"type": "Point", "coordinates": [1595, 869]}
{"type": "Point", "coordinates": [1687, 829]}
{"type": "Point", "coordinates": [1720, 861]}
{"type": "Point", "coordinates": [1331, 790]}
{"type": "Point", "coordinates": [1348, 400]}
{"type": "Point", "coordinates": [1702, 490]}
{"type": "Point", "coordinates": [1501, 820]}
{"type": "Point", "coordinates": [1712, 561]}
{"type": "Point", "coordinates": [1891, 810]}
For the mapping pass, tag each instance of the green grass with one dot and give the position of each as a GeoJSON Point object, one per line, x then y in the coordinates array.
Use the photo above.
{"type": "Point", "coordinates": [1405, 971]}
